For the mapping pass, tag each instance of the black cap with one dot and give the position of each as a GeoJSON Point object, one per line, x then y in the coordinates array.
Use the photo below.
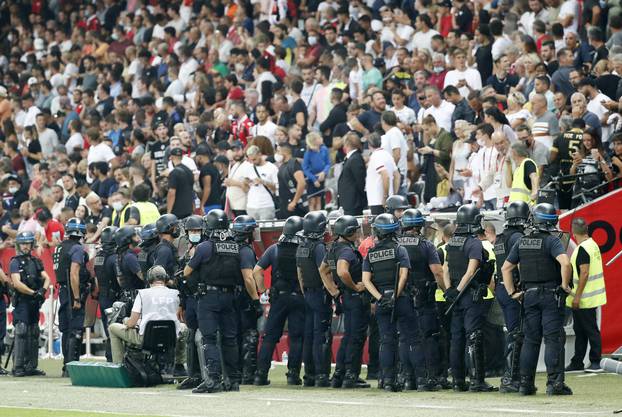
{"type": "Point", "coordinates": [222, 159]}
{"type": "Point", "coordinates": [445, 3]}
{"type": "Point", "coordinates": [237, 144]}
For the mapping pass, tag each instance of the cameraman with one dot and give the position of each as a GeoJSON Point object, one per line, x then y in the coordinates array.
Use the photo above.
{"type": "Point", "coordinates": [158, 302]}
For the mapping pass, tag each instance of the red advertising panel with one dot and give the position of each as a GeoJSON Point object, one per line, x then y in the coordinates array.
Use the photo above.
{"type": "Point", "coordinates": [604, 217]}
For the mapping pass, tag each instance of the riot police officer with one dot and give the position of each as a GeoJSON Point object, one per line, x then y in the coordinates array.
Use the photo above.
{"type": "Point", "coordinates": [74, 283]}
{"type": "Point", "coordinates": [106, 274]}
{"type": "Point", "coordinates": [286, 302]}
{"type": "Point", "coordinates": [317, 348]}
{"type": "Point", "coordinates": [545, 273]}
{"type": "Point", "coordinates": [195, 228]}
{"type": "Point", "coordinates": [220, 261]}
{"type": "Point", "coordinates": [149, 239]}
{"type": "Point", "coordinates": [426, 274]}
{"type": "Point", "coordinates": [4, 294]}
{"type": "Point", "coordinates": [345, 262]}
{"type": "Point", "coordinates": [467, 270]}
{"type": "Point", "coordinates": [30, 282]}
{"type": "Point", "coordinates": [165, 253]}
{"type": "Point", "coordinates": [396, 205]}
{"type": "Point", "coordinates": [129, 274]}
{"type": "Point", "coordinates": [385, 272]}
{"type": "Point", "coordinates": [515, 220]}
{"type": "Point", "coordinates": [248, 310]}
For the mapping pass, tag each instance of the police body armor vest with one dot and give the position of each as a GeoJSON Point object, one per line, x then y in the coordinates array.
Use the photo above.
{"type": "Point", "coordinates": [501, 253]}
{"type": "Point", "coordinates": [355, 268]}
{"type": "Point", "coordinates": [170, 270]}
{"type": "Point", "coordinates": [187, 285]}
{"type": "Point", "coordinates": [105, 271]}
{"type": "Point", "coordinates": [127, 279]}
{"type": "Point", "coordinates": [30, 269]}
{"type": "Point", "coordinates": [145, 258]}
{"type": "Point", "coordinates": [223, 267]}
{"type": "Point", "coordinates": [305, 258]}
{"type": "Point", "coordinates": [537, 267]}
{"type": "Point", "coordinates": [62, 263]}
{"type": "Point", "coordinates": [457, 261]}
{"type": "Point", "coordinates": [419, 264]}
{"type": "Point", "coordinates": [382, 261]}
{"type": "Point", "coordinates": [285, 277]}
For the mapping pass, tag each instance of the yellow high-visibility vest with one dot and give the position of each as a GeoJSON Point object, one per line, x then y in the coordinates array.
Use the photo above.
{"type": "Point", "coordinates": [148, 212]}
{"type": "Point", "coordinates": [594, 294]}
{"type": "Point", "coordinates": [519, 190]}
{"type": "Point", "coordinates": [438, 295]}
{"type": "Point", "coordinates": [121, 215]}
{"type": "Point", "coordinates": [490, 248]}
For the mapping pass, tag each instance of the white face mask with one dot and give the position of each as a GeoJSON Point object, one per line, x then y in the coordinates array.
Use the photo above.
{"type": "Point", "coordinates": [194, 237]}
{"type": "Point", "coordinates": [278, 158]}
{"type": "Point", "coordinates": [13, 190]}
{"type": "Point", "coordinates": [118, 206]}
{"type": "Point", "coordinates": [312, 40]}
{"type": "Point", "coordinates": [438, 69]}
{"type": "Point", "coordinates": [239, 67]}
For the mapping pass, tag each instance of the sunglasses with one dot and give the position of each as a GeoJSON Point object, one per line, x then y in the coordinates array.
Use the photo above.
{"type": "Point", "coordinates": [421, 97]}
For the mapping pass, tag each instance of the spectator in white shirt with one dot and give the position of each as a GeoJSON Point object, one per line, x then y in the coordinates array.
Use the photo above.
{"type": "Point", "coordinates": [393, 140]}
{"type": "Point", "coordinates": [537, 11]}
{"type": "Point", "coordinates": [405, 115]}
{"type": "Point", "coordinates": [31, 111]}
{"type": "Point", "coordinates": [439, 108]}
{"type": "Point", "coordinates": [98, 152]}
{"type": "Point", "coordinates": [264, 127]}
{"type": "Point", "coordinates": [382, 178]}
{"type": "Point", "coordinates": [261, 177]}
{"type": "Point", "coordinates": [75, 137]}
{"type": "Point", "coordinates": [188, 67]}
{"type": "Point", "coordinates": [466, 79]}
{"type": "Point", "coordinates": [47, 137]}
{"type": "Point", "coordinates": [424, 34]}
{"type": "Point", "coordinates": [176, 87]}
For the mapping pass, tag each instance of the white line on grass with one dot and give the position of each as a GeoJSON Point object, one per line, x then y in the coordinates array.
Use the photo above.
{"type": "Point", "coordinates": [80, 410]}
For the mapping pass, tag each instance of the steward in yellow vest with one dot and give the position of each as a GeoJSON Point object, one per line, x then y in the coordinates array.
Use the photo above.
{"type": "Point", "coordinates": [525, 177]}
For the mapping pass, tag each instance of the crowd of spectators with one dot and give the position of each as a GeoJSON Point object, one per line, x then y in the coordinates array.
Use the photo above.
{"type": "Point", "coordinates": [277, 107]}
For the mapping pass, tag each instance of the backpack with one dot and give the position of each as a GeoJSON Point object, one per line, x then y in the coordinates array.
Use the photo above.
{"type": "Point", "coordinates": [144, 372]}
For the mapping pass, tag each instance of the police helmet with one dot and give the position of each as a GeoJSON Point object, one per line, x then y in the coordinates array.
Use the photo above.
{"type": "Point", "coordinates": [243, 225]}
{"type": "Point", "coordinates": [292, 226]}
{"type": "Point", "coordinates": [124, 236]}
{"type": "Point", "coordinates": [157, 273]}
{"type": "Point", "coordinates": [216, 219]}
{"type": "Point", "coordinates": [107, 237]}
{"type": "Point", "coordinates": [314, 225]}
{"type": "Point", "coordinates": [517, 213]}
{"type": "Point", "coordinates": [75, 227]}
{"type": "Point", "coordinates": [148, 234]}
{"type": "Point", "coordinates": [468, 219]}
{"type": "Point", "coordinates": [397, 202]}
{"type": "Point", "coordinates": [345, 226]}
{"type": "Point", "coordinates": [167, 223]}
{"type": "Point", "coordinates": [194, 222]}
{"type": "Point", "coordinates": [24, 238]}
{"type": "Point", "coordinates": [545, 217]}
{"type": "Point", "coordinates": [412, 218]}
{"type": "Point", "coordinates": [385, 225]}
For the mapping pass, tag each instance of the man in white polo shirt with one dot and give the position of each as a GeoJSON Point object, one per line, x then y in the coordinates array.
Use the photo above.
{"type": "Point", "coordinates": [393, 141]}
{"type": "Point", "coordinates": [382, 177]}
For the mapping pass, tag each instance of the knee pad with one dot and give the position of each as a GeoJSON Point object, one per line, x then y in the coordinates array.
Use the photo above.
{"type": "Point", "coordinates": [21, 330]}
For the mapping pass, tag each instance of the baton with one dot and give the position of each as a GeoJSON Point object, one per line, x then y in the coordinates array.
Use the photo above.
{"type": "Point", "coordinates": [397, 280]}
{"type": "Point", "coordinates": [6, 363]}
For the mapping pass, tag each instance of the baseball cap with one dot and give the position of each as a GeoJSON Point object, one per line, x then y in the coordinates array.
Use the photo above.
{"type": "Point", "coordinates": [445, 3]}
{"type": "Point", "coordinates": [32, 80]}
{"type": "Point", "coordinates": [236, 93]}
{"type": "Point", "coordinates": [202, 150]}
{"type": "Point", "coordinates": [222, 159]}
{"type": "Point", "coordinates": [236, 144]}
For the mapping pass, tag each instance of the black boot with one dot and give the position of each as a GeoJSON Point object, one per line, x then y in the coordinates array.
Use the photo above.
{"type": "Point", "coordinates": [444, 383]}
{"type": "Point", "coordinates": [351, 380]}
{"type": "Point", "coordinates": [261, 378]}
{"type": "Point", "coordinates": [189, 383]}
{"type": "Point", "coordinates": [510, 382]}
{"type": "Point", "coordinates": [337, 379]}
{"type": "Point", "coordinates": [308, 380]}
{"type": "Point", "coordinates": [459, 385]}
{"type": "Point", "coordinates": [249, 357]}
{"type": "Point", "coordinates": [32, 361]}
{"type": "Point", "coordinates": [478, 371]}
{"type": "Point", "coordinates": [427, 384]}
{"type": "Point", "coordinates": [527, 386]}
{"type": "Point", "coordinates": [555, 385]}
{"type": "Point", "coordinates": [293, 376]}
{"type": "Point", "coordinates": [322, 381]}
{"type": "Point", "coordinates": [179, 370]}
{"type": "Point", "coordinates": [211, 384]}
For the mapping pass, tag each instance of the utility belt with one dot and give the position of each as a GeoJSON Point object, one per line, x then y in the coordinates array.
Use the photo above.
{"type": "Point", "coordinates": [279, 293]}
{"type": "Point", "coordinates": [204, 289]}
{"type": "Point", "coordinates": [548, 288]}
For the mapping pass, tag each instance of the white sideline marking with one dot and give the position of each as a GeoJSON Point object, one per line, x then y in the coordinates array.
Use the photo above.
{"type": "Point", "coordinates": [80, 410]}
{"type": "Point", "coordinates": [438, 407]}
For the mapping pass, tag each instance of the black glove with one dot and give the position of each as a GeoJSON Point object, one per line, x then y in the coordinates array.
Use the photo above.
{"type": "Point", "coordinates": [39, 295]}
{"type": "Point", "coordinates": [258, 308]}
{"type": "Point", "coordinates": [386, 302]}
{"type": "Point", "coordinates": [451, 294]}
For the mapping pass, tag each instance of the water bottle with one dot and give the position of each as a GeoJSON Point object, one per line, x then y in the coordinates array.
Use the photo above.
{"type": "Point", "coordinates": [284, 358]}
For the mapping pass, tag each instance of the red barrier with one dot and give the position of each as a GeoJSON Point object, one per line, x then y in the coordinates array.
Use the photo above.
{"type": "Point", "coordinates": [605, 227]}
{"type": "Point", "coordinates": [45, 255]}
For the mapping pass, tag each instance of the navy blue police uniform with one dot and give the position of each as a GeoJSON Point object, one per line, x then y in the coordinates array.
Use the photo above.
{"type": "Point", "coordinates": [105, 270]}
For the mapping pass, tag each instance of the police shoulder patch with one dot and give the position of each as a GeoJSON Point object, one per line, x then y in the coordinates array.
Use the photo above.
{"type": "Point", "coordinates": [142, 256]}
{"type": "Point", "coordinates": [499, 248]}
{"type": "Point", "coordinates": [381, 255]}
{"type": "Point", "coordinates": [409, 240]}
{"type": "Point", "coordinates": [530, 243]}
{"type": "Point", "coordinates": [99, 260]}
{"type": "Point", "coordinates": [227, 247]}
{"type": "Point", "coordinates": [302, 252]}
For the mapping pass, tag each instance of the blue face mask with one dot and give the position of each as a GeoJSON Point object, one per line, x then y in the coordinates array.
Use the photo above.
{"type": "Point", "coordinates": [194, 237]}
